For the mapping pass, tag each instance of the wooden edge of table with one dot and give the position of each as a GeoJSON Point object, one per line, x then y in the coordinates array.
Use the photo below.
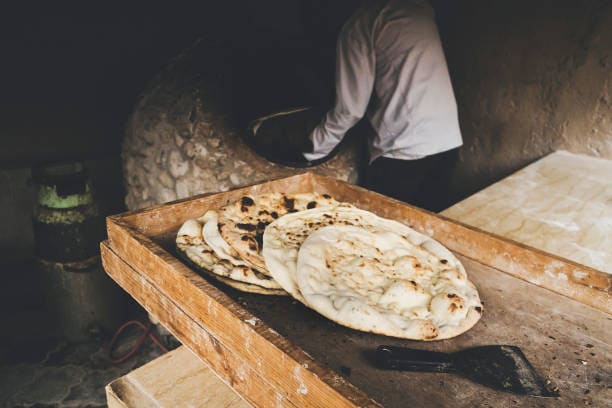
{"type": "Point", "coordinates": [250, 356]}
{"type": "Point", "coordinates": [570, 279]}
{"type": "Point", "coordinates": [151, 210]}
{"type": "Point", "coordinates": [112, 399]}
{"type": "Point", "coordinates": [223, 361]}
{"type": "Point", "coordinates": [176, 379]}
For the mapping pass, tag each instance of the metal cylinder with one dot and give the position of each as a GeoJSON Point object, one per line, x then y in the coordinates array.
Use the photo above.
{"type": "Point", "coordinates": [68, 228]}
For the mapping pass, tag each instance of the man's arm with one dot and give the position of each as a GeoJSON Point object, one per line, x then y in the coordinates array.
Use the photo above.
{"type": "Point", "coordinates": [355, 62]}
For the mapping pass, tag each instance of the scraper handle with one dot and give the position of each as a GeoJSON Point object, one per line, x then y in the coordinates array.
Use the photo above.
{"type": "Point", "coordinates": [401, 358]}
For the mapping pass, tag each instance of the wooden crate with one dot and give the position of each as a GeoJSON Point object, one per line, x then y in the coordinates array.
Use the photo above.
{"type": "Point", "coordinates": [276, 352]}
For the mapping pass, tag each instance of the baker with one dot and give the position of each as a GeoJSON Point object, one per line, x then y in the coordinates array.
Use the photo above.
{"type": "Point", "coordinates": [391, 68]}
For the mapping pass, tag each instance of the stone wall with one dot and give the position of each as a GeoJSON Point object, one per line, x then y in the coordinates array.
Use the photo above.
{"type": "Point", "coordinates": [529, 78]}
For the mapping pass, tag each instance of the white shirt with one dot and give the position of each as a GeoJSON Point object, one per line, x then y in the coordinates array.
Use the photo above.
{"type": "Point", "coordinates": [390, 64]}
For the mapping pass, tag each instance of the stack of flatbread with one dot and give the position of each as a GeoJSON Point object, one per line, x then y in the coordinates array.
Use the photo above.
{"type": "Point", "coordinates": [358, 269]}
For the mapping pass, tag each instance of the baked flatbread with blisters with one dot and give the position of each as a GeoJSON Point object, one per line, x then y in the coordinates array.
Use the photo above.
{"type": "Point", "coordinates": [434, 272]}
{"type": "Point", "coordinates": [282, 239]}
{"type": "Point", "coordinates": [377, 280]}
{"type": "Point", "coordinates": [242, 223]}
{"type": "Point", "coordinates": [191, 244]}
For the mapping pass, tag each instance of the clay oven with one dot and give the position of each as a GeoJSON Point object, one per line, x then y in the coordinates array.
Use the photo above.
{"type": "Point", "coordinates": [185, 136]}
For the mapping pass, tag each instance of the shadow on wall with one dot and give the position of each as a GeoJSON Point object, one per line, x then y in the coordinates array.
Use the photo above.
{"type": "Point", "coordinates": [71, 73]}
{"type": "Point", "coordinates": [529, 78]}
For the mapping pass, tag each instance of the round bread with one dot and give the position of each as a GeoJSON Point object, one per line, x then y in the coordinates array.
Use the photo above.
{"type": "Point", "coordinates": [242, 223]}
{"type": "Point", "coordinates": [190, 243]}
{"type": "Point", "coordinates": [210, 233]}
{"type": "Point", "coordinates": [379, 280]}
{"type": "Point", "coordinates": [245, 287]}
{"type": "Point", "coordinates": [212, 237]}
{"type": "Point", "coordinates": [282, 238]}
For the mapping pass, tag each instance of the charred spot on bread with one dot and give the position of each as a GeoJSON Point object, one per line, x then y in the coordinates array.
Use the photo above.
{"type": "Point", "coordinates": [274, 214]}
{"type": "Point", "coordinates": [262, 225]}
{"type": "Point", "coordinates": [246, 227]}
{"type": "Point", "coordinates": [247, 201]}
{"type": "Point", "coordinates": [311, 205]}
{"type": "Point", "coordinates": [259, 239]}
{"type": "Point", "coordinates": [443, 261]}
{"type": "Point", "coordinates": [478, 309]}
{"type": "Point", "coordinates": [327, 196]}
{"type": "Point", "coordinates": [451, 296]}
{"type": "Point", "coordinates": [431, 332]}
{"type": "Point", "coordinates": [263, 212]}
{"type": "Point", "coordinates": [288, 203]}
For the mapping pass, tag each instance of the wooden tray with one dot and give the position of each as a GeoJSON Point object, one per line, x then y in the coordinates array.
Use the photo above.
{"type": "Point", "coordinates": [276, 352]}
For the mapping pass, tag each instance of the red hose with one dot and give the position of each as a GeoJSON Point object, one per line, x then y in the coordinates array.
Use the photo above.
{"type": "Point", "coordinates": [147, 332]}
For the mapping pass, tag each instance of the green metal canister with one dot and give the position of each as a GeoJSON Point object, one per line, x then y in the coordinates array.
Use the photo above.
{"type": "Point", "coordinates": [68, 228]}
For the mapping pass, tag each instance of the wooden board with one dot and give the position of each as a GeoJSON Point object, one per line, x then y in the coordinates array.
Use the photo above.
{"type": "Point", "coordinates": [176, 379]}
{"type": "Point", "coordinates": [561, 204]}
{"type": "Point", "coordinates": [567, 344]}
{"type": "Point", "coordinates": [299, 356]}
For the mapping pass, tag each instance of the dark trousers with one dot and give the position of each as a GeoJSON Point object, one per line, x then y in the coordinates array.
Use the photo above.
{"type": "Point", "coordinates": [424, 183]}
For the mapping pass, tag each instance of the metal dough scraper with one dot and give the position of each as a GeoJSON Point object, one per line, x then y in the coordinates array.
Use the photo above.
{"type": "Point", "coordinates": [500, 367]}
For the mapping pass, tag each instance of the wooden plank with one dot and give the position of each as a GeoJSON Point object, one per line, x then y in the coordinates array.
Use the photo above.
{"type": "Point", "coordinates": [559, 204]}
{"type": "Point", "coordinates": [113, 400]}
{"type": "Point", "coordinates": [146, 240]}
{"type": "Point", "coordinates": [176, 379]}
{"type": "Point", "coordinates": [225, 362]}
{"type": "Point", "coordinates": [163, 218]}
{"type": "Point", "coordinates": [257, 361]}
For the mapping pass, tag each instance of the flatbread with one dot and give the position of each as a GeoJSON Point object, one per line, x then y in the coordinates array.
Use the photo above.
{"type": "Point", "coordinates": [282, 239]}
{"type": "Point", "coordinates": [242, 223]}
{"type": "Point", "coordinates": [191, 244]}
{"type": "Point", "coordinates": [245, 287]}
{"type": "Point", "coordinates": [212, 236]}
{"type": "Point", "coordinates": [378, 280]}
{"type": "Point", "coordinates": [210, 233]}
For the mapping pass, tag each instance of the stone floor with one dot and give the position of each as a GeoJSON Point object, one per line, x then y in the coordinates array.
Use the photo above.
{"type": "Point", "coordinates": [55, 374]}
{"type": "Point", "coordinates": [39, 369]}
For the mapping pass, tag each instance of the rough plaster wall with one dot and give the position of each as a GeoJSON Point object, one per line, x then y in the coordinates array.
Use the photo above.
{"type": "Point", "coordinates": [529, 78]}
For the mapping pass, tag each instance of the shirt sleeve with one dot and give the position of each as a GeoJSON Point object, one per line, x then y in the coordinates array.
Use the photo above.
{"type": "Point", "coordinates": [355, 60]}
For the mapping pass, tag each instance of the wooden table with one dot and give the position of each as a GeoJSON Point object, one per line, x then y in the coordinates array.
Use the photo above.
{"type": "Point", "coordinates": [175, 380]}
{"type": "Point", "coordinates": [561, 204]}
{"type": "Point", "coordinates": [477, 208]}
